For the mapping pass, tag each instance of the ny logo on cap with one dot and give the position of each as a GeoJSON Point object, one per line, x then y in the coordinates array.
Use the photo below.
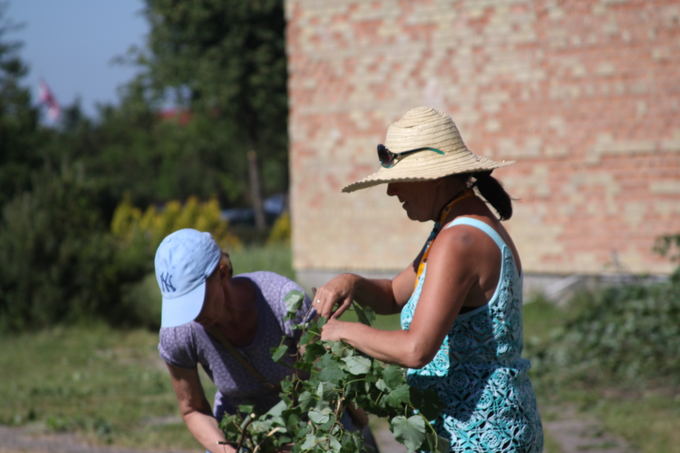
{"type": "Point", "coordinates": [166, 282]}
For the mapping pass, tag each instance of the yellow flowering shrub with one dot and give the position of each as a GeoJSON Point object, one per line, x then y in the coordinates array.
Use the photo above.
{"type": "Point", "coordinates": [280, 232]}
{"type": "Point", "coordinates": [131, 224]}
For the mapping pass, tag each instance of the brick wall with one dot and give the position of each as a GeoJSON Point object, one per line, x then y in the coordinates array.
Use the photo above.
{"type": "Point", "coordinates": [584, 95]}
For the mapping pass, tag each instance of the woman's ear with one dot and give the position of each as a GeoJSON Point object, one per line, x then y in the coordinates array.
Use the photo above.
{"type": "Point", "coordinates": [226, 269]}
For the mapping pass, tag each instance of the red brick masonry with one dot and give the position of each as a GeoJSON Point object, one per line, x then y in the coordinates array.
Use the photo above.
{"type": "Point", "coordinates": [583, 94]}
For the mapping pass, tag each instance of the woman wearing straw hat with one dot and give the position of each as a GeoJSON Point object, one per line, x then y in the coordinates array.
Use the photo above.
{"type": "Point", "coordinates": [460, 300]}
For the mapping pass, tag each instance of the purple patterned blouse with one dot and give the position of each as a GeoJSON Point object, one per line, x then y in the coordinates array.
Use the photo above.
{"type": "Point", "coordinates": [189, 344]}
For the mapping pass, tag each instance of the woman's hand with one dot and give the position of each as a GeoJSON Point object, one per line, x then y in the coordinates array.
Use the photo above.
{"type": "Point", "coordinates": [332, 330]}
{"type": "Point", "coordinates": [338, 291]}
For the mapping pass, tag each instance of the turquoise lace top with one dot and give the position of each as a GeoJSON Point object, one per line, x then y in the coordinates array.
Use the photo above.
{"type": "Point", "coordinates": [478, 371]}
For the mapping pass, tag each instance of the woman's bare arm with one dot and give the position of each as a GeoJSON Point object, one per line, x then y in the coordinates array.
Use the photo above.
{"type": "Point", "coordinates": [195, 409]}
{"type": "Point", "coordinates": [451, 273]}
{"type": "Point", "coordinates": [384, 296]}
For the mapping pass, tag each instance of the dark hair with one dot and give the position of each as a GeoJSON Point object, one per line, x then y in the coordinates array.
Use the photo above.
{"type": "Point", "coordinates": [492, 190]}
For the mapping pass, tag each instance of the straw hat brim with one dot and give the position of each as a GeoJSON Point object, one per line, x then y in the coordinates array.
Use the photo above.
{"type": "Point", "coordinates": [412, 168]}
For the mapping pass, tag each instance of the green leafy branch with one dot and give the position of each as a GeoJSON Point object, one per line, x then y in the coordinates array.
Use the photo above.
{"type": "Point", "coordinates": [331, 380]}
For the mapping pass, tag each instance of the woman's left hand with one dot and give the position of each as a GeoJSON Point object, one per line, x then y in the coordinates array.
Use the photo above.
{"type": "Point", "coordinates": [337, 291]}
{"type": "Point", "coordinates": [331, 331]}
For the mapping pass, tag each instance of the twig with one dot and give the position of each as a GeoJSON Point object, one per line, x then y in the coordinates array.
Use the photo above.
{"type": "Point", "coordinates": [244, 426]}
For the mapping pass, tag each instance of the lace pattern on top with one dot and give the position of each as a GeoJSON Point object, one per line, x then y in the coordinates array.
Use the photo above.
{"type": "Point", "coordinates": [478, 371]}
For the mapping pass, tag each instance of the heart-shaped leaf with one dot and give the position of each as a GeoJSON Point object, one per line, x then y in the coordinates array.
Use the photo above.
{"type": "Point", "coordinates": [409, 431]}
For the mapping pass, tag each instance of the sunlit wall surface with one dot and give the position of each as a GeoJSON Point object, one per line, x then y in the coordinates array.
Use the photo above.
{"type": "Point", "coordinates": [584, 95]}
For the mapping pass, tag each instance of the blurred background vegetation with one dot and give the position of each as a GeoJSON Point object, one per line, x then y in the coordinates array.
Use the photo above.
{"type": "Point", "coordinates": [199, 132]}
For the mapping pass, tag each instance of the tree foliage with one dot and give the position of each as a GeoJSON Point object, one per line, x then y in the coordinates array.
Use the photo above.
{"type": "Point", "coordinates": [60, 263]}
{"type": "Point", "coordinates": [223, 65]}
{"type": "Point", "coordinates": [20, 137]}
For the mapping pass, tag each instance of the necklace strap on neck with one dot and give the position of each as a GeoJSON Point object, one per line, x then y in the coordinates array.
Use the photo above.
{"type": "Point", "coordinates": [446, 209]}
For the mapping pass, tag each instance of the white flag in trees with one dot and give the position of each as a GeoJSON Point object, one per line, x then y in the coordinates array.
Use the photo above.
{"type": "Point", "coordinates": [46, 97]}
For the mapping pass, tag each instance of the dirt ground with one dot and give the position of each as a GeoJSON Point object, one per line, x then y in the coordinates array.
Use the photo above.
{"type": "Point", "coordinates": [572, 434]}
{"type": "Point", "coordinates": [26, 440]}
{"type": "Point", "coordinates": [575, 433]}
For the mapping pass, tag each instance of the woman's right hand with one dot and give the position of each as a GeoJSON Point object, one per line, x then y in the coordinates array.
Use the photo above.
{"type": "Point", "coordinates": [337, 291]}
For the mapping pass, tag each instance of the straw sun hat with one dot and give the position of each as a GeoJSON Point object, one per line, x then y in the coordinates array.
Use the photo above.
{"type": "Point", "coordinates": [423, 127]}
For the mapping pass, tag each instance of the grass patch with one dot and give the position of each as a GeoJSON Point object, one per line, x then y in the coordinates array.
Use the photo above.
{"type": "Point", "coordinates": [550, 445]}
{"type": "Point", "coordinates": [541, 318]}
{"type": "Point", "coordinates": [276, 258]}
{"type": "Point", "coordinates": [646, 418]}
{"type": "Point", "coordinates": [107, 384]}
{"type": "Point", "coordinates": [384, 322]}
{"type": "Point", "coordinates": [648, 421]}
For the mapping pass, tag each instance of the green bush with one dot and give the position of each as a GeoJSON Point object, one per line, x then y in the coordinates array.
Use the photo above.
{"type": "Point", "coordinates": [280, 232]}
{"type": "Point", "coordinates": [668, 245]}
{"type": "Point", "coordinates": [627, 332]}
{"type": "Point", "coordinates": [60, 263]}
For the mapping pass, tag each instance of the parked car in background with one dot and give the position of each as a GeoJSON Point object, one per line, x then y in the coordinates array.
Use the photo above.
{"type": "Point", "coordinates": [273, 206]}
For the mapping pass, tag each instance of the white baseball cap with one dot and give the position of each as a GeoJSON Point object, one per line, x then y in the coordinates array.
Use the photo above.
{"type": "Point", "coordinates": [184, 260]}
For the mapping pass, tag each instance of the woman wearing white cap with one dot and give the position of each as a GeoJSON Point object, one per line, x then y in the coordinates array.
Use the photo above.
{"type": "Point", "coordinates": [226, 323]}
{"type": "Point", "coordinates": [460, 300]}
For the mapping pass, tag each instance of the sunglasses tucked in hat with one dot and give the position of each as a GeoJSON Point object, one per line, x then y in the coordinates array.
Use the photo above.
{"type": "Point", "coordinates": [424, 144]}
{"type": "Point", "coordinates": [184, 260]}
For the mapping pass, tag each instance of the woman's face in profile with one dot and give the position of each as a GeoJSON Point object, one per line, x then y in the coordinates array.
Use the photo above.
{"type": "Point", "coordinates": [417, 198]}
{"type": "Point", "coordinates": [211, 313]}
{"type": "Point", "coordinates": [213, 303]}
